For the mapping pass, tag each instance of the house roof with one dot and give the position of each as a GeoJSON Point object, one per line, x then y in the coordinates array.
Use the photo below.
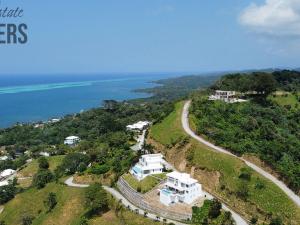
{"type": "Point", "coordinates": [152, 156]}
{"type": "Point", "coordinates": [72, 137]}
{"type": "Point", "coordinates": [182, 177]}
{"type": "Point", "coordinates": [7, 172]}
{"type": "Point", "coordinates": [139, 125]}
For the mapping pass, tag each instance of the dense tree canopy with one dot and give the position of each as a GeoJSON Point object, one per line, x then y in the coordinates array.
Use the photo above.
{"type": "Point", "coordinates": [271, 132]}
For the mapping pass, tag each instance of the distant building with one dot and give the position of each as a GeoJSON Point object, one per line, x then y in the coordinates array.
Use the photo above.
{"type": "Point", "coordinates": [226, 96]}
{"type": "Point", "coordinates": [147, 165]}
{"type": "Point", "coordinates": [72, 140]}
{"type": "Point", "coordinates": [39, 125]}
{"type": "Point", "coordinates": [139, 126]}
{"type": "Point", "coordinates": [6, 174]}
{"type": "Point", "coordinates": [54, 120]}
{"type": "Point", "coordinates": [180, 187]}
{"type": "Point", "coordinates": [3, 158]}
{"type": "Point", "coordinates": [46, 154]}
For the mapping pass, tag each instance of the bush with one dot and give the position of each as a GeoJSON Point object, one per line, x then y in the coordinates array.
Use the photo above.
{"type": "Point", "coordinates": [41, 178]}
{"type": "Point", "coordinates": [245, 174]}
{"type": "Point", "coordinates": [214, 209]}
{"type": "Point", "coordinates": [72, 163]}
{"type": "Point", "coordinates": [43, 163]}
{"type": "Point", "coordinates": [7, 192]}
{"type": "Point", "coordinates": [51, 201]}
{"type": "Point", "coordinates": [99, 169]}
{"type": "Point", "coordinates": [96, 199]}
{"type": "Point", "coordinates": [27, 220]}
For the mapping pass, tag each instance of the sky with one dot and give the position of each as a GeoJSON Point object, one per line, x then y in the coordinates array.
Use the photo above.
{"type": "Point", "coordinates": [133, 36]}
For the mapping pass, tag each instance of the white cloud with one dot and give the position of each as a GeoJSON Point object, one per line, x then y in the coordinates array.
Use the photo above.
{"type": "Point", "coordinates": [274, 17]}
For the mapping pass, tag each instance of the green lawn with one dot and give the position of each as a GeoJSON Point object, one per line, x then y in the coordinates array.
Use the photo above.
{"type": "Point", "coordinates": [285, 99]}
{"type": "Point", "coordinates": [169, 132]}
{"type": "Point", "coordinates": [145, 185]}
{"type": "Point", "coordinates": [32, 168]}
{"type": "Point", "coordinates": [270, 199]}
{"type": "Point", "coordinates": [68, 210]}
{"type": "Point", "coordinates": [125, 217]}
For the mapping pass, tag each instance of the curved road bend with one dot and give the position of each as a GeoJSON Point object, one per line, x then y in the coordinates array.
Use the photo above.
{"type": "Point", "coordinates": [124, 201]}
{"type": "Point", "coordinates": [280, 184]}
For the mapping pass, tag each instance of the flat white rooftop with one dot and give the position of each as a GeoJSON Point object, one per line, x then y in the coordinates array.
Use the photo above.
{"type": "Point", "coordinates": [182, 177]}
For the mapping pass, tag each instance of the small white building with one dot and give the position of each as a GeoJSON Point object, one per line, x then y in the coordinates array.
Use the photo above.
{"type": "Point", "coordinates": [147, 165]}
{"type": "Point", "coordinates": [180, 187]}
{"type": "Point", "coordinates": [46, 154]}
{"type": "Point", "coordinates": [6, 174]}
{"type": "Point", "coordinates": [3, 158]}
{"type": "Point", "coordinates": [139, 126]}
{"type": "Point", "coordinates": [72, 140]}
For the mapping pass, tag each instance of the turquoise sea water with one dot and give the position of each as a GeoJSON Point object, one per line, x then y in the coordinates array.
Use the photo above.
{"type": "Point", "coordinates": [27, 98]}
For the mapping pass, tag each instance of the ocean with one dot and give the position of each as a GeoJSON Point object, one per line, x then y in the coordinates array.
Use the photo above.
{"type": "Point", "coordinates": [32, 98]}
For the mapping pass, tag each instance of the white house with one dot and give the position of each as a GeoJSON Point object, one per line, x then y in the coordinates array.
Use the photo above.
{"type": "Point", "coordinates": [139, 126]}
{"type": "Point", "coordinates": [225, 96]}
{"type": "Point", "coordinates": [72, 140]}
{"type": "Point", "coordinates": [147, 165]}
{"type": "Point", "coordinates": [180, 187]}
{"type": "Point", "coordinates": [3, 158]}
{"type": "Point", "coordinates": [46, 154]}
{"type": "Point", "coordinates": [6, 173]}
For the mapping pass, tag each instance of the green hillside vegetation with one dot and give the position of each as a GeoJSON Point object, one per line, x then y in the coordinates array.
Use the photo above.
{"type": "Point", "coordinates": [124, 217]}
{"type": "Point", "coordinates": [169, 132]}
{"type": "Point", "coordinates": [270, 131]}
{"type": "Point", "coordinates": [284, 80]}
{"type": "Point", "coordinates": [254, 197]}
{"type": "Point", "coordinates": [69, 210]}
{"type": "Point", "coordinates": [32, 167]}
{"type": "Point", "coordinates": [30, 203]}
{"type": "Point", "coordinates": [286, 99]}
{"type": "Point", "coordinates": [144, 185]}
{"type": "Point", "coordinates": [211, 213]}
{"type": "Point", "coordinates": [179, 87]}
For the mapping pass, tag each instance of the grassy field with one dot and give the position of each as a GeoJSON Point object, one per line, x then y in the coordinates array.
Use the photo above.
{"type": "Point", "coordinates": [169, 131]}
{"type": "Point", "coordinates": [285, 99]}
{"type": "Point", "coordinates": [268, 200]}
{"type": "Point", "coordinates": [145, 185]}
{"type": "Point", "coordinates": [126, 217]}
{"type": "Point", "coordinates": [30, 203]}
{"type": "Point", "coordinates": [32, 167]}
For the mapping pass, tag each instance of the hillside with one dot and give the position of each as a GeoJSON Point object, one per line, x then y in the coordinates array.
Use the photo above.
{"type": "Point", "coordinates": [269, 130]}
{"type": "Point", "coordinates": [220, 173]}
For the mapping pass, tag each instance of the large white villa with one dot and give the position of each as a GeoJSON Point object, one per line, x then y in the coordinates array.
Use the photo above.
{"type": "Point", "coordinates": [147, 165]}
{"type": "Point", "coordinates": [226, 96]}
{"type": "Point", "coordinates": [139, 126]}
{"type": "Point", "coordinates": [180, 187]}
{"type": "Point", "coordinates": [72, 140]}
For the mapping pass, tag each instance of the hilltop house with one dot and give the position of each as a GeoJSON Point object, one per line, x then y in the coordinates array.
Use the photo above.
{"type": "Point", "coordinates": [72, 140]}
{"type": "Point", "coordinates": [226, 96]}
{"type": "Point", "coordinates": [139, 126]}
{"type": "Point", "coordinates": [180, 187]}
{"type": "Point", "coordinates": [147, 165]}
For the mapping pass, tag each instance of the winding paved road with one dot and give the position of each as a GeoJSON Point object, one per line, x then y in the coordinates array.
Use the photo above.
{"type": "Point", "coordinates": [280, 184]}
{"type": "Point", "coordinates": [119, 197]}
